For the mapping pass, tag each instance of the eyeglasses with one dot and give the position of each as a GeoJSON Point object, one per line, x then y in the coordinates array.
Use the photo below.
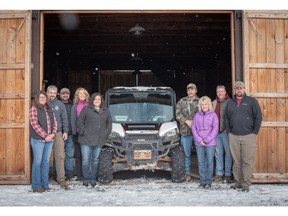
{"type": "Point", "coordinates": [42, 97]}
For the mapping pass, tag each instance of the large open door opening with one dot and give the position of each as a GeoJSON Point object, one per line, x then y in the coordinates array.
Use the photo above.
{"type": "Point", "coordinates": [99, 50]}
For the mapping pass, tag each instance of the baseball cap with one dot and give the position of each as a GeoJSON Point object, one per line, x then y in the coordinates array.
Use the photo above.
{"type": "Point", "coordinates": [191, 85]}
{"type": "Point", "coordinates": [239, 84]}
{"type": "Point", "coordinates": [63, 90]}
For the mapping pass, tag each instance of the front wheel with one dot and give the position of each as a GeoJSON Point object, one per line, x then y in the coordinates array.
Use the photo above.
{"type": "Point", "coordinates": [105, 172]}
{"type": "Point", "coordinates": [178, 164]}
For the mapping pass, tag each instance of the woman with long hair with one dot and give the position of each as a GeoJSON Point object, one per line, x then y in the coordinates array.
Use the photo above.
{"type": "Point", "coordinates": [81, 99]}
{"type": "Point", "coordinates": [43, 128]}
{"type": "Point", "coordinates": [95, 125]}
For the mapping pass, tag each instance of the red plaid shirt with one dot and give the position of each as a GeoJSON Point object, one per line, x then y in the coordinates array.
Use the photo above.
{"type": "Point", "coordinates": [35, 125]}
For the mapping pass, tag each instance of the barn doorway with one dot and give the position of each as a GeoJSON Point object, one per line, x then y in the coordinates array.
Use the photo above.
{"type": "Point", "coordinates": [98, 50]}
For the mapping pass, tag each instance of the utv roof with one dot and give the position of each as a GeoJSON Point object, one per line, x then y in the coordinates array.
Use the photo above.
{"type": "Point", "coordinates": [141, 88]}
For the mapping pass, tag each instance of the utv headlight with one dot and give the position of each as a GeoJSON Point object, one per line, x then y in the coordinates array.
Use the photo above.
{"type": "Point", "coordinates": [170, 133]}
{"type": "Point", "coordinates": [114, 135]}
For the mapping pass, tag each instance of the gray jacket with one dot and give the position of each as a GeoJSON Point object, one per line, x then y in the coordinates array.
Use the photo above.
{"type": "Point", "coordinates": [94, 126]}
{"type": "Point", "coordinates": [61, 115]}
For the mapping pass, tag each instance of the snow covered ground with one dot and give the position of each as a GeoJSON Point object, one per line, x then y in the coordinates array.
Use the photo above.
{"type": "Point", "coordinates": [143, 191]}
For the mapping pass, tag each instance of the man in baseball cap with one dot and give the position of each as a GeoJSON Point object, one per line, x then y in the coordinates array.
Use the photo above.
{"type": "Point", "coordinates": [64, 90]}
{"type": "Point", "coordinates": [239, 84]}
{"type": "Point", "coordinates": [68, 143]}
{"type": "Point", "coordinates": [191, 85]}
{"type": "Point", "coordinates": [185, 110]}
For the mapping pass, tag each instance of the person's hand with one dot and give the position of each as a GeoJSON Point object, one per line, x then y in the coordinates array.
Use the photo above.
{"type": "Point", "coordinates": [49, 138]}
{"type": "Point", "coordinates": [65, 136]}
{"type": "Point", "coordinates": [202, 142]}
{"type": "Point", "coordinates": [189, 123]}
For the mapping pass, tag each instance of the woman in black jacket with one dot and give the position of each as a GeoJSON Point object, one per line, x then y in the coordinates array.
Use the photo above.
{"type": "Point", "coordinates": [94, 124]}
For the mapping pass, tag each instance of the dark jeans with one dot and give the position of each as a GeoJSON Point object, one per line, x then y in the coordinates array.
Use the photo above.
{"type": "Point", "coordinates": [78, 157]}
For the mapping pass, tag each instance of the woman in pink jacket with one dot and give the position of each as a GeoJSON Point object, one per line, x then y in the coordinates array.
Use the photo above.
{"type": "Point", "coordinates": [205, 129]}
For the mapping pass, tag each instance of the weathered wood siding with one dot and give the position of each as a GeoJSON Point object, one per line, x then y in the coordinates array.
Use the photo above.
{"type": "Point", "coordinates": [265, 75]}
{"type": "Point", "coordinates": [15, 48]}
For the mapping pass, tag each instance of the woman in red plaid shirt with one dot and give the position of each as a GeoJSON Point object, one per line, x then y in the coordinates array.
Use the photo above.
{"type": "Point", "coordinates": [43, 128]}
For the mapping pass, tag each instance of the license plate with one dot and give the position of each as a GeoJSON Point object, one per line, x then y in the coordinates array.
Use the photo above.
{"type": "Point", "coordinates": [142, 154]}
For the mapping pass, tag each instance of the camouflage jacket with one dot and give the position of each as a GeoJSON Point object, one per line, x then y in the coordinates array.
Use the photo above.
{"type": "Point", "coordinates": [186, 110]}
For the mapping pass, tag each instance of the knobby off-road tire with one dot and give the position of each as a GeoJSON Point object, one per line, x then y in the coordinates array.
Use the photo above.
{"type": "Point", "coordinates": [178, 164]}
{"type": "Point", "coordinates": [105, 172]}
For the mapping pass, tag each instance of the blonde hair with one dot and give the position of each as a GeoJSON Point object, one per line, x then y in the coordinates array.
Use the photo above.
{"type": "Point", "coordinates": [76, 95]}
{"type": "Point", "coordinates": [207, 100]}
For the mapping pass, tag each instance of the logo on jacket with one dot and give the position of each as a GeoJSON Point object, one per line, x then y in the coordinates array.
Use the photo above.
{"type": "Point", "coordinates": [56, 108]}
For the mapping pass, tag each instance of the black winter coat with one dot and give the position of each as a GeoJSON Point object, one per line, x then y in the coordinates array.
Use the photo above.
{"type": "Point", "coordinates": [245, 118]}
{"type": "Point", "coordinates": [94, 126]}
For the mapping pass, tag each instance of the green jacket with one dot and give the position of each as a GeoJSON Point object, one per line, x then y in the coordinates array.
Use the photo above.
{"type": "Point", "coordinates": [186, 111]}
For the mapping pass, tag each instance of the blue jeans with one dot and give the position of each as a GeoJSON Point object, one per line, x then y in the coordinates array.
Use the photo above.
{"type": "Point", "coordinates": [69, 157]}
{"type": "Point", "coordinates": [223, 150]}
{"type": "Point", "coordinates": [186, 143]}
{"type": "Point", "coordinates": [90, 159]}
{"type": "Point", "coordinates": [205, 156]}
{"type": "Point", "coordinates": [40, 165]}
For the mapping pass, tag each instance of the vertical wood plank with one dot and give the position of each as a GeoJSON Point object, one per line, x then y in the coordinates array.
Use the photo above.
{"type": "Point", "coordinates": [270, 41]}
{"type": "Point", "coordinates": [3, 44]}
{"type": "Point", "coordinates": [262, 153]}
{"type": "Point", "coordinates": [261, 54]}
{"type": "Point", "coordinates": [20, 41]}
{"type": "Point", "coordinates": [3, 159]}
{"type": "Point", "coordinates": [272, 156]}
{"type": "Point", "coordinates": [281, 151]}
{"type": "Point", "coordinates": [11, 48]}
{"type": "Point", "coordinates": [3, 75]}
{"type": "Point", "coordinates": [280, 55]}
{"type": "Point", "coordinates": [286, 150]}
{"type": "Point", "coordinates": [286, 43]}
{"type": "Point", "coordinates": [270, 56]}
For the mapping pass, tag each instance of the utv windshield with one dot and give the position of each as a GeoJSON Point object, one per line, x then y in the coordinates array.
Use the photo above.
{"type": "Point", "coordinates": [141, 107]}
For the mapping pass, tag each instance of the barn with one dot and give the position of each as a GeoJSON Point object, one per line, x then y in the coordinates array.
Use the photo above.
{"type": "Point", "coordinates": [101, 49]}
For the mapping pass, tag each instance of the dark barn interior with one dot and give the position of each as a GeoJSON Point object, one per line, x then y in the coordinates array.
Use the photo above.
{"type": "Point", "coordinates": [176, 47]}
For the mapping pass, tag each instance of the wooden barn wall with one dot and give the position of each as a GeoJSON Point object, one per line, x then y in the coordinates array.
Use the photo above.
{"type": "Point", "coordinates": [265, 74]}
{"type": "Point", "coordinates": [15, 34]}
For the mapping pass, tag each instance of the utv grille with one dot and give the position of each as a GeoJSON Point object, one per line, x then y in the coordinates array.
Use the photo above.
{"type": "Point", "coordinates": [142, 147]}
{"type": "Point", "coordinates": [142, 136]}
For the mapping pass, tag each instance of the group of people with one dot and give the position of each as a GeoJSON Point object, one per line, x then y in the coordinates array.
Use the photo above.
{"type": "Point", "coordinates": [68, 130]}
{"type": "Point", "coordinates": [224, 129]}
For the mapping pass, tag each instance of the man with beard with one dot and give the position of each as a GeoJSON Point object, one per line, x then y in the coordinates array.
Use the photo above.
{"type": "Point", "coordinates": [185, 111]}
{"type": "Point", "coordinates": [243, 118]}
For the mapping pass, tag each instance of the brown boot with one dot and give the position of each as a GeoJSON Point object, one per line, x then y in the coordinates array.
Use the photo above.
{"type": "Point", "coordinates": [188, 177]}
{"type": "Point", "coordinates": [40, 190]}
{"type": "Point", "coordinates": [63, 184]}
{"type": "Point", "coordinates": [217, 178]}
{"type": "Point", "coordinates": [236, 186]}
{"type": "Point", "coordinates": [227, 179]}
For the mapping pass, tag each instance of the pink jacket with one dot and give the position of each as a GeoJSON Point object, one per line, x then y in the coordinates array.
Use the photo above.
{"type": "Point", "coordinates": [205, 127]}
